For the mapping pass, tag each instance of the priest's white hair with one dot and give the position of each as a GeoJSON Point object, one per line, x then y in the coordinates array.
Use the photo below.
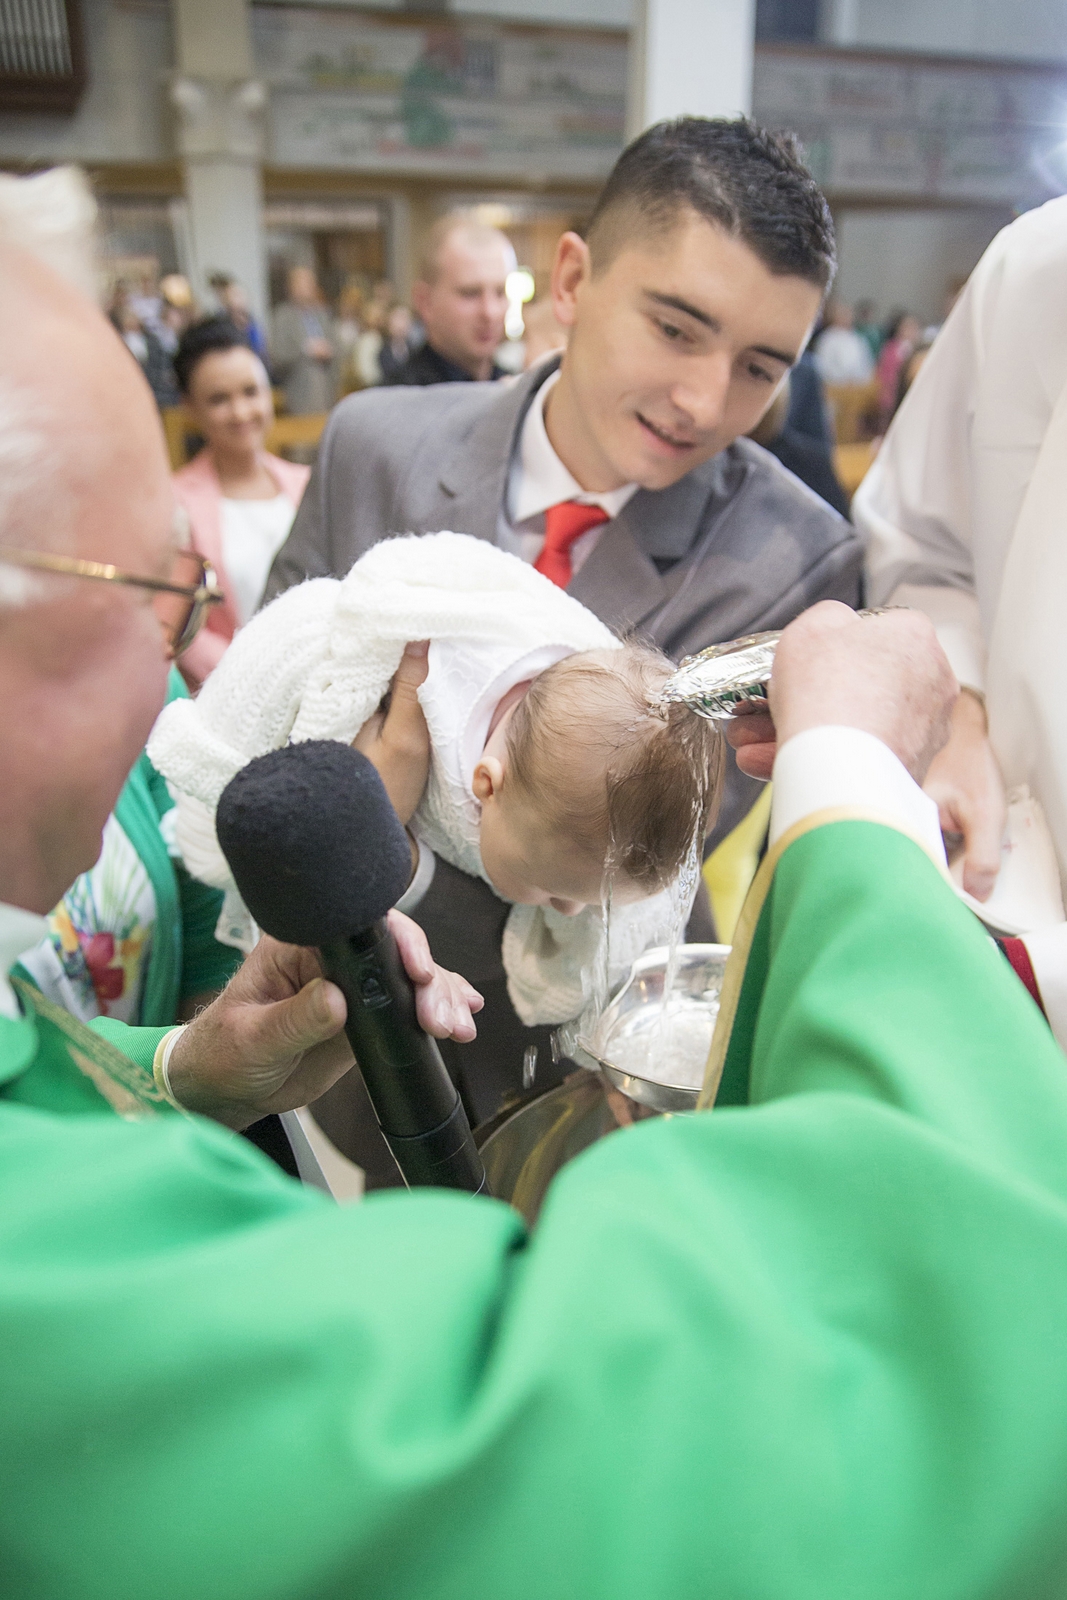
{"type": "Point", "coordinates": [52, 216]}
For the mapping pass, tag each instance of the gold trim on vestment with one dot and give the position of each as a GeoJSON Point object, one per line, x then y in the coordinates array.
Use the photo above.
{"type": "Point", "coordinates": [748, 922]}
{"type": "Point", "coordinates": [128, 1089]}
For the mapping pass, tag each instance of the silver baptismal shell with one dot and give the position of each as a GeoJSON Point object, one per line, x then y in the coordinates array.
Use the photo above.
{"type": "Point", "coordinates": [717, 680]}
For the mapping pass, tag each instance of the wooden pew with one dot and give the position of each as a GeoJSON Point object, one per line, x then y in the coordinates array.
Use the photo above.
{"type": "Point", "coordinates": [285, 433]}
{"type": "Point", "coordinates": [853, 410]}
{"type": "Point", "coordinates": [296, 433]}
{"type": "Point", "coordinates": [851, 462]}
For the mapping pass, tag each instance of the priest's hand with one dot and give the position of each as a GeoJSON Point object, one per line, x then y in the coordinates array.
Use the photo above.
{"type": "Point", "coordinates": [397, 741]}
{"type": "Point", "coordinates": [885, 675]}
{"type": "Point", "coordinates": [750, 732]}
{"type": "Point", "coordinates": [274, 1040]}
{"type": "Point", "coordinates": [965, 781]}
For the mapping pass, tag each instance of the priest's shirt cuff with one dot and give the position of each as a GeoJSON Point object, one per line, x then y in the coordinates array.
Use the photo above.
{"type": "Point", "coordinates": [844, 769]}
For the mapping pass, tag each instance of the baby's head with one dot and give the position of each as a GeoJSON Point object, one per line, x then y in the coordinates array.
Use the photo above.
{"type": "Point", "coordinates": [587, 776]}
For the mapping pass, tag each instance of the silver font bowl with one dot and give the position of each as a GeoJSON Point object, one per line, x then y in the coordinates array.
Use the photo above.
{"type": "Point", "coordinates": [656, 1056]}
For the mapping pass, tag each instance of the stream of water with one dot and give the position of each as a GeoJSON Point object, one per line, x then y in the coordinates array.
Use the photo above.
{"type": "Point", "coordinates": [669, 1043]}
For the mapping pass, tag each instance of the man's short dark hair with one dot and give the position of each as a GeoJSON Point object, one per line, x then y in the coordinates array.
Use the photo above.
{"type": "Point", "coordinates": [751, 183]}
{"type": "Point", "coordinates": [204, 339]}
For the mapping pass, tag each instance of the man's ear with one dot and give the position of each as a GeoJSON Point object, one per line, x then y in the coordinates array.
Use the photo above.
{"type": "Point", "coordinates": [487, 779]}
{"type": "Point", "coordinates": [570, 270]}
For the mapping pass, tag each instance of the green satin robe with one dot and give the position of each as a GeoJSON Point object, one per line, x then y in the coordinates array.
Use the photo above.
{"type": "Point", "coordinates": [808, 1346]}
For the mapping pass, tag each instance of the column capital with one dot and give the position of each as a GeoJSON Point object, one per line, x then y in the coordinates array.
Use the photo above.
{"type": "Point", "coordinates": [219, 118]}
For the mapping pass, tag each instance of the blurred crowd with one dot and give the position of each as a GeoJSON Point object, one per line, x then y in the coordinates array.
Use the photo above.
{"type": "Point", "coordinates": [854, 347]}
{"type": "Point", "coordinates": [316, 352]}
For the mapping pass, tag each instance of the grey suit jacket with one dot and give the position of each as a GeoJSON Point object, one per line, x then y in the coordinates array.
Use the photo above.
{"type": "Point", "coordinates": [737, 545]}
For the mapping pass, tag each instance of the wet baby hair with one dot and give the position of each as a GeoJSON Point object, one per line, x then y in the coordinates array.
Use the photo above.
{"type": "Point", "coordinates": [604, 762]}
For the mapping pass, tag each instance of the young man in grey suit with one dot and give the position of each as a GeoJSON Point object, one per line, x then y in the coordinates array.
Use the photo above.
{"type": "Point", "coordinates": [621, 471]}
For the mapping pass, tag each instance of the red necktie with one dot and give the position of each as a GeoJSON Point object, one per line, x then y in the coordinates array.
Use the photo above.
{"type": "Point", "coordinates": [564, 524]}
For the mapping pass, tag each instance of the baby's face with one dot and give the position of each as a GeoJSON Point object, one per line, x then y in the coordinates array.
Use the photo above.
{"type": "Point", "coordinates": [527, 860]}
{"type": "Point", "coordinates": [526, 863]}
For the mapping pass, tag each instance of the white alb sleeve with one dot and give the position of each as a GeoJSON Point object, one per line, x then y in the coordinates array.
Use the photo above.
{"type": "Point", "coordinates": [833, 768]}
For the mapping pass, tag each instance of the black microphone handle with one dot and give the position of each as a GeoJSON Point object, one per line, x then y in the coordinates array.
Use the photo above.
{"type": "Point", "coordinates": [415, 1101]}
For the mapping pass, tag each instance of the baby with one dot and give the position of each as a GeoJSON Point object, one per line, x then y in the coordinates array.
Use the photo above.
{"type": "Point", "coordinates": [555, 773]}
{"type": "Point", "coordinates": [586, 783]}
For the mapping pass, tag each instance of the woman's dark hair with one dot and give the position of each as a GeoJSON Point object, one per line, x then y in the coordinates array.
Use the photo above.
{"type": "Point", "coordinates": [751, 183]}
{"type": "Point", "coordinates": [203, 339]}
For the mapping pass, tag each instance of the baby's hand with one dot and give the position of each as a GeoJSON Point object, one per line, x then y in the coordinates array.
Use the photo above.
{"type": "Point", "coordinates": [398, 743]}
{"type": "Point", "coordinates": [445, 1003]}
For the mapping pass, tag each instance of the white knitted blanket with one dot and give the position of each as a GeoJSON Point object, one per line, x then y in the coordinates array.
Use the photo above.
{"type": "Point", "coordinates": [315, 664]}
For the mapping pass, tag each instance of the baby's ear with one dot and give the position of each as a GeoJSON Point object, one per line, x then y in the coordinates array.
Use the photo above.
{"type": "Point", "coordinates": [487, 779]}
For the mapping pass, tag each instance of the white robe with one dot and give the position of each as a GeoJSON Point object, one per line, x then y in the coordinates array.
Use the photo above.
{"type": "Point", "coordinates": [965, 511]}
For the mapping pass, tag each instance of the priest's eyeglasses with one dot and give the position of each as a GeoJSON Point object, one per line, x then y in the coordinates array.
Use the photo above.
{"type": "Point", "coordinates": [181, 603]}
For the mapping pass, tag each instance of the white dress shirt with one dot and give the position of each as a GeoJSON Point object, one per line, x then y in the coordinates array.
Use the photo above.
{"type": "Point", "coordinates": [253, 531]}
{"type": "Point", "coordinates": [538, 479]}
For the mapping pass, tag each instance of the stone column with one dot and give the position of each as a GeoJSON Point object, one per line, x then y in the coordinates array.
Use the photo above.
{"type": "Point", "coordinates": [399, 244]}
{"type": "Point", "coordinates": [690, 57]}
{"type": "Point", "coordinates": [219, 104]}
{"type": "Point", "coordinates": [839, 22]}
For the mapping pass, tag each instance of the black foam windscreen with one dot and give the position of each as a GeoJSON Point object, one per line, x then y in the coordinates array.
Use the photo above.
{"type": "Point", "coordinates": [313, 842]}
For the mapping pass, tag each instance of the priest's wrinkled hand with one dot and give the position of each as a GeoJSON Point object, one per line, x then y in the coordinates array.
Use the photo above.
{"type": "Point", "coordinates": [966, 784]}
{"type": "Point", "coordinates": [274, 1039]}
{"type": "Point", "coordinates": [884, 674]}
{"type": "Point", "coordinates": [750, 732]}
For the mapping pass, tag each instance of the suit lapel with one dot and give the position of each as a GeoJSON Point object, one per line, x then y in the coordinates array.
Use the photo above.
{"type": "Point", "coordinates": [474, 477]}
{"type": "Point", "coordinates": [473, 481]}
{"type": "Point", "coordinates": [621, 582]}
{"type": "Point", "coordinates": [618, 582]}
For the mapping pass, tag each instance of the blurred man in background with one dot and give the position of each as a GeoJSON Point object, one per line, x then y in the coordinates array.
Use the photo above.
{"type": "Point", "coordinates": [395, 351]}
{"type": "Point", "coordinates": [304, 347]}
{"type": "Point", "coordinates": [460, 299]}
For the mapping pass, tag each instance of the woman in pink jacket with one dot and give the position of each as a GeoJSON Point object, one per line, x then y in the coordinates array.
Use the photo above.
{"type": "Point", "coordinates": [240, 501]}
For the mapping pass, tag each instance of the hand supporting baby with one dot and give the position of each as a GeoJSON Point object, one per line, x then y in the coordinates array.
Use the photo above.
{"type": "Point", "coordinates": [397, 742]}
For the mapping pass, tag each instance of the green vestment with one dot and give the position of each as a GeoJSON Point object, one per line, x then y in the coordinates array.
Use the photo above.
{"type": "Point", "coordinates": [808, 1346]}
{"type": "Point", "coordinates": [184, 958]}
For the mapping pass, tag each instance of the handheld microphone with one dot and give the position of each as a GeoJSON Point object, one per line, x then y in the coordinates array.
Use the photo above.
{"type": "Point", "coordinates": [319, 856]}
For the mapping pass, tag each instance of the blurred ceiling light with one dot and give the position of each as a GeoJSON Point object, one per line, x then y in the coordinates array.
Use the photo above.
{"type": "Point", "coordinates": [519, 287]}
{"type": "Point", "coordinates": [493, 215]}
